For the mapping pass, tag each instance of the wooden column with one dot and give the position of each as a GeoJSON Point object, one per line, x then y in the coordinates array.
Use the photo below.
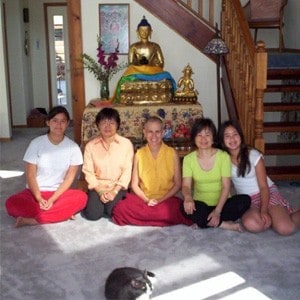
{"type": "Point", "coordinates": [77, 80]}
{"type": "Point", "coordinates": [261, 60]}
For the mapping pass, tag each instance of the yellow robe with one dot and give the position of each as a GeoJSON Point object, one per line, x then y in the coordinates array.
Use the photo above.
{"type": "Point", "coordinates": [156, 175]}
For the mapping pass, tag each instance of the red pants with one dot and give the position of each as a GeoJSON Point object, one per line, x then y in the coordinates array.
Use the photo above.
{"type": "Point", "coordinates": [134, 211]}
{"type": "Point", "coordinates": [24, 205]}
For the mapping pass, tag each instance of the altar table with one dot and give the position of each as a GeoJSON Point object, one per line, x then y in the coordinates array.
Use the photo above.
{"type": "Point", "coordinates": [179, 116]}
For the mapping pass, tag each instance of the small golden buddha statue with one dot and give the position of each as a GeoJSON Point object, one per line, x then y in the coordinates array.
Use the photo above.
{"type": "Point", "coordinates": [185, 87]}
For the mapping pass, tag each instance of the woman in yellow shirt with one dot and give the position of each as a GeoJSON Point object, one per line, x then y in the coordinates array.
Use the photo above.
{"type": "Point", "coordinates": [156, 178]}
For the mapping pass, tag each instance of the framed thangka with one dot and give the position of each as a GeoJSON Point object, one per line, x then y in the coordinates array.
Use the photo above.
{"type": "Point", "coordinates": [114, 27]}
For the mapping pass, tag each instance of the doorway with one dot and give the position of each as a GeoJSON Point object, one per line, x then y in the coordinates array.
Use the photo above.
{"type": "Point", "coordinates": [58, 56]}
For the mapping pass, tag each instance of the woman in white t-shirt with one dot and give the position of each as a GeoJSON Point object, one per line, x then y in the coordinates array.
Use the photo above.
{"type": "Point", "coordinates": [51, 164]}
{"type": "Point", "coordinates": [268, 207]}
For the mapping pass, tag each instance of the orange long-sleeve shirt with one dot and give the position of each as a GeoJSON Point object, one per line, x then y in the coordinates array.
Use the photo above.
{"type": "Point", "coordinates": [107, 167]}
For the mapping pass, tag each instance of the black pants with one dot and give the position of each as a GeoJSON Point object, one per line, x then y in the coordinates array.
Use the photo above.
{"type": "Point", "coordinates": [233, 209]}
{"type": "Point", "coordinates": [96, 209]}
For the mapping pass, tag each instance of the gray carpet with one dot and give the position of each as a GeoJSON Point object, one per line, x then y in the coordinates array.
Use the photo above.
{"type": "Point", "coordinates": [71, 260]}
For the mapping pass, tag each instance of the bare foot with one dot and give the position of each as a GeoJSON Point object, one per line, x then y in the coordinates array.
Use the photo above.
{"type": "Point", "coordinates": [194, 226]}
{"type": "Point", "coordinates": [20, 222]}
{"type": "Point", "coordinates": [229, 225]}
{"type": "Point", "coordinates": [73, 217]}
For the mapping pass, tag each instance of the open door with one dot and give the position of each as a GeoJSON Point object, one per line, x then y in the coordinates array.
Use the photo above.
{"type": "Point", "coordinates": [58, 57]}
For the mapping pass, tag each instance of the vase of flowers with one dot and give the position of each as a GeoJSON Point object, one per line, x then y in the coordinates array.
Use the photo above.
{"type": "Point", "coordinates": [104, 68]}
{"type": "Point", "coordinates": [104, 89]}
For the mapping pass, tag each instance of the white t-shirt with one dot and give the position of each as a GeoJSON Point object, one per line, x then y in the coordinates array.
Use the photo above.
{"type": "Point", "coordinates": [248, 184]}
{"type": "Point", "coordinates": [53, 161]}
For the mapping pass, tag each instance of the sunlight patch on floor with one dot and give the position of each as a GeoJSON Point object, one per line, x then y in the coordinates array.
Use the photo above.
{"type": "Point", "coordinates": [247, 293]}
{"type": "Point", "coordinates": [187, 267]}
{"type": "Point", "coordinates": [66, 245]}
{"type": "Point", "coordinates": [10, 174]}
{"type": "Point", "coordinates": [206, 288]}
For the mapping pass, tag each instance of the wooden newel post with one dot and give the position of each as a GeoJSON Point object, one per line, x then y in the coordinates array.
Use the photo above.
{"type": "Point", "coordinates": [261, 60]}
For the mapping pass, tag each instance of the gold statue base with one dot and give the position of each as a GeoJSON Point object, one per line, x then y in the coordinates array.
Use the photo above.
{"type": "Point", "coordinates": [185, 99]}
{"type": "Point", "coordinates": [146, 92]}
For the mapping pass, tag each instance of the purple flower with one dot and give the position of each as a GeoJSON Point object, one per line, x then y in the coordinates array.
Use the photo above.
{"type": "Point", "coordinates": [105, 66]}
{"type": "Point", "coordinates": [109, 62]}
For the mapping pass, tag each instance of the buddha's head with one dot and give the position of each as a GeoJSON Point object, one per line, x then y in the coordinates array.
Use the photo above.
{"type": "Point", "coordinates": [144, 23]}
{"type": "Point", "coordinates": [188, 70]}
{"type": "Point", "coordinates": [144, 29]}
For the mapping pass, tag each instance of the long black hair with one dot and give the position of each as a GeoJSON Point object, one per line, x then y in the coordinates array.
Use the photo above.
{"type": "Point", "coordinates": [243, 156]}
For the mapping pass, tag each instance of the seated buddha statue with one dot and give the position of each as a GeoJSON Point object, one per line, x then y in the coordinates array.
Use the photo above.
{"type": "Point", "coordinates": [145, 80]}
{"type": "Point", "coordinates": [186, 83]}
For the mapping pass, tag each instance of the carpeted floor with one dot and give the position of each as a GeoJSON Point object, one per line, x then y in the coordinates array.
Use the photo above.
{"type": "Point", "coordinates": [71, 260]}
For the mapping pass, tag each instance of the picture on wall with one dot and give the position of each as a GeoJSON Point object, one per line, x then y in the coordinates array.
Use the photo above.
{"type": "Point", "coordinates": [114, 27]}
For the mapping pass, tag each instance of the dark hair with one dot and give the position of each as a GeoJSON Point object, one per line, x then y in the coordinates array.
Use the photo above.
{"type": "Point", "coordinates": [243, 156]}
{"type": "Point", "coordinates": [203, 123]}
{"type": "Point", "coordinates": [108, 113]}
{"type": "Point", "coordinates": [58, 110]}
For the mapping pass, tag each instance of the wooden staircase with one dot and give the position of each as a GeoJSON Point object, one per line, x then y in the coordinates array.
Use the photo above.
{"type": "Point", "coordinates": [257, 86]}
{"type": "Point", "coordinates": [196, 30]}
{"type": "Point", "coordinates": [277, 84]}
{"type": "Point", "coordinates": [245, 82]}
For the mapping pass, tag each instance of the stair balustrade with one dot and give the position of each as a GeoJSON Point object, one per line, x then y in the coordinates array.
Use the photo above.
{"type": "Point", "coordinates": [247, 71]}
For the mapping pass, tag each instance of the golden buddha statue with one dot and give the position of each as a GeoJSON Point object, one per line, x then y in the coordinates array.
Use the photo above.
{"type": "Point", "coordinates": [145, 81]}
{"type": "Point", "coordinates": [144, 52]}
{"type": "Point", "coordinates": [186, 91]}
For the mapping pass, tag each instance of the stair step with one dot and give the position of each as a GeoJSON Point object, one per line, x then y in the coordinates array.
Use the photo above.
{"type": "Point", "coordinates": [281, 106]}
{"type": "Point", "coordinates": [281, 127]}
{"type": "Point", "coordinates": [284, 173]}
{"type": "Point", "coordinates": [283, 74]}
{"type": "Point", "coordinates": [282, 148]}
{"type": "Point", "coordinates": [279, 88]}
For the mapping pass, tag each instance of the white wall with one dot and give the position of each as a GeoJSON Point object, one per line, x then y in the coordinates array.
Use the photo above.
{"type": "Point", "coordinates": [292, 24]}
{"type": "Point", "coordinates": [18, 62]}
{"type": "Point", "coordinates": [38, 52]}
{"type": "Point", "coordinates": [28, 73]}
{"type": "Point", "coordinates": [177, 52]}
{"type": "Point", "coordinates": [5, 128]}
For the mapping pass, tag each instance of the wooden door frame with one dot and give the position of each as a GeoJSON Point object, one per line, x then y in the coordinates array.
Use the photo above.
{"type": "Point", "coordinates": [76, 66]}
{"type": "Point", "coordinates": [46, 20]}
{"type": "Point", "coordinates": [7, 70]}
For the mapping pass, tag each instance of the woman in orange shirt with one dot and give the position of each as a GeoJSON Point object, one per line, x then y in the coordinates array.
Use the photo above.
{"type": "Point", "coordinates": [107, 166]}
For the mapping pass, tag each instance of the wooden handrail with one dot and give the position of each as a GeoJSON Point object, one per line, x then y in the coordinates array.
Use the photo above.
{"type": "Point", "coordinates": [246, 65]}
{"type": "Point", "coordinates": [197, 8]}
{"type": "Point", "coordinates": [189, 26]}
{"type": "Point", "coordinates": [247, 71]}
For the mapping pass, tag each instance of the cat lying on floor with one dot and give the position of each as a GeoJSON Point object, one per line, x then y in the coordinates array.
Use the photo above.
{"type": "Point", "coordinates": [129, 284]}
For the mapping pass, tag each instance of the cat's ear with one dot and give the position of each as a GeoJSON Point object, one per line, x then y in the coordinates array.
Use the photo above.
{"type": "Point", "coordinates": [148, 274]}
{"type": "Point", "coordinates": [138, 284]}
